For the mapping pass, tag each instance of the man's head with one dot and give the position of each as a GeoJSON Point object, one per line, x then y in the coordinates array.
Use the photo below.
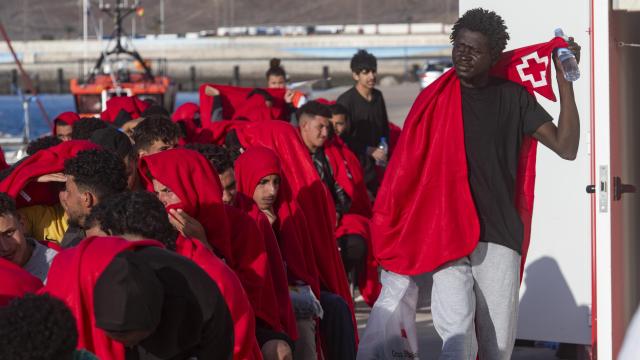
{"type": "Point", "coordinates": [119, 143]}
{"type": "Point", "coordinates": [83, 128]}
{"type": "Point", "coordinates": [62, 125]}
{"type": "Point", "coordinates": [364, 69]}
{"type": "Point", "coordinates": [37, 327]}
{"type": "Point", "coordinates": [135, 215]}
{"type": "Point", "coordinates": [13, 243]}
{"type": "Point", "coordinates": [478, 39]}
{"type": "Point", "coordinates": [155, 134]}
{"type": "Point", "coordinates": [221, 160]}
{"type": "Point", "coordinates": [266, 192]}
{"type": "Point", "coordinates": [276, 76]}
{"type": "Point", "coordinates": [339, 119]}
{"type": "Point", "coordinates": [92, 176]}
{"type": "Point", "coordinates": [315, 124]}
{"type": "Point", "coordinates": [63, 130]}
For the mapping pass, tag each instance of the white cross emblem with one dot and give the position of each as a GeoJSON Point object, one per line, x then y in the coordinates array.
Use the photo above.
{"type": "Point", "coordinates": [529, 77]}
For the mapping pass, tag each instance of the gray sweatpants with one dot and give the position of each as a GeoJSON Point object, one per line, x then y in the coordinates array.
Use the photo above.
{"type": "Point", "coordinates": [474, 304]}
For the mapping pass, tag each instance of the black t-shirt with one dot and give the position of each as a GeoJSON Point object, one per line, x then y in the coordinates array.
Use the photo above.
{"type": "Point", "coordinates": [368, 123]}
{"type": "Point", "coordinates": [496, 118]}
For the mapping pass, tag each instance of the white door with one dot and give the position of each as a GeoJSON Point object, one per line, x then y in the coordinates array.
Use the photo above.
{"type": "Point", "coordinates": [617, 165]}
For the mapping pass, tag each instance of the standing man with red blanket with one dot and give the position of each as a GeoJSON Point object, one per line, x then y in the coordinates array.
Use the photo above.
{"type": "Point", "coordinates": [468, 155]}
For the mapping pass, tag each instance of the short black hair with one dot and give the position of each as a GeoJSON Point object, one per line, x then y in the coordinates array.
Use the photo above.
{"type": "Point", "coordinates": [155, 109]}
{"type": "Point", "coordinates": [100, 171]}
{"type": "Point", "coordinates": [339, 109]}
{"type": "Point", "coordinates": [137, 213]}
{"type": "Point", "coordinates": [37, 327]}
{"type": "Point", "coordinates": [115, 141]}
{"type": "Point", "coordinates": [218, 156]}
{"type": "Point", "coordinates": [314, 108]}
{"type": "Point", "coordinates": [83, 128]}
{"type": "Point", "coordinates": [486, 22]}
{"type": "Point", "coordinates": [155, 128]}
{"type": "Point", "coordinates": [42, 143]}
{"type": "Point", "coordinates": [363, 60]}
{"type": "Point", "coordinates": [275, 69]}
{"type": "Point", "coordinates": [7, 205]}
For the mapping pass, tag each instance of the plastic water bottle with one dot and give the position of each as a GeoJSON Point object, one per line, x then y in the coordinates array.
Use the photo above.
{"type": "Point", "coordinates": [568, 60]}
{"type": "Point", "coordinates": [384, 147]}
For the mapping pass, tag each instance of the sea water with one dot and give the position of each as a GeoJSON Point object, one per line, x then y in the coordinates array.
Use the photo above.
{"type": "Point", "coordinates": [11, 113]}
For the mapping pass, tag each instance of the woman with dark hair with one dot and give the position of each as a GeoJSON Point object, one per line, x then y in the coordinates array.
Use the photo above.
{"type": "Point", "coordinates": [276, 76]}
{"type": "Point", "coordinates": [277, 79]}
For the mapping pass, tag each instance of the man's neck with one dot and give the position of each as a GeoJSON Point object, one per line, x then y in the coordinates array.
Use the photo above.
{"type": "Point", "coordinates": [477, 82]}
{"type": "Point", "coordinates": [31, 245]}
{"type": "Point", "coordinates": [365, 92]}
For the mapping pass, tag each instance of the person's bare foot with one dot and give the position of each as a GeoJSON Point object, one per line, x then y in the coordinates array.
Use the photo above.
{"type": "Point", "coordinates": [211, 91]}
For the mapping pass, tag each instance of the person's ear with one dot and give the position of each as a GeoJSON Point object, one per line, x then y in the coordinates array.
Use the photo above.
{"type": "Point", "coordinates": [355, 76]}
{"type": "Point", "coordinates": [89, 200]}
{"type": "Point", "coordinates": [303, 122]}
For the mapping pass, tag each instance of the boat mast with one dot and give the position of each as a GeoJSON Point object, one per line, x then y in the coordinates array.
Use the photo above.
{"type": "Point", "coordinates": [118, 13]}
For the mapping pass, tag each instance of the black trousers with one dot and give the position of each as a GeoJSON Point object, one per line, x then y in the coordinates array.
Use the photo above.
{"type": "Point", "coordinates": [353, 251]}
{"type": "Point", "coordinates": [336, 328]}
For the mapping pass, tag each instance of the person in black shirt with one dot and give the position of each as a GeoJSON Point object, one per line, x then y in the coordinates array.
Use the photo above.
{"type": "Point", "coordinates": [475, 298]}
{"type": "Point", "coordinates": [368, 116]}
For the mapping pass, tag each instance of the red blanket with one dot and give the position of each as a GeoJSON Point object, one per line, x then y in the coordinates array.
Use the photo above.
{"type": "Point", "coordinates": [21, 185]}
{"type": "Point", "coordinates": [219, 129]}
{"type": "Point", "coordinates": [278, 272]}
{"type": "Point", "coordinates": [234, 236]}
{"type": "Point", "coordinates": [72, 277]}
{"type": "Point", "coordinates": [251, 263]}
{"type": "Point", "coordinates": [192, 178]}
{"type": "Point", "coordinates": [131, 104]}
{"type": "Point", "coordinates": [424, 215]}
{"type": "Point", "coordinates": [309, 192]}
{"type": "Point", "coordinates": [15, 282]}
{"type": "Point", "coordinates": [244, 327]}
{"type": "Point", "coordinates": [234, 99]}
{"type": "Point", "coordinates": [186, 114]}
{"type": "Point", "coordinates": [348, 173]}
{"type": "Point", "coordinates": [254, 164]}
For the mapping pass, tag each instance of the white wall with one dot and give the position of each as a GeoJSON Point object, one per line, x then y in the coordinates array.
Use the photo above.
{"type": "Point", "coordinates": [556, 288]}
